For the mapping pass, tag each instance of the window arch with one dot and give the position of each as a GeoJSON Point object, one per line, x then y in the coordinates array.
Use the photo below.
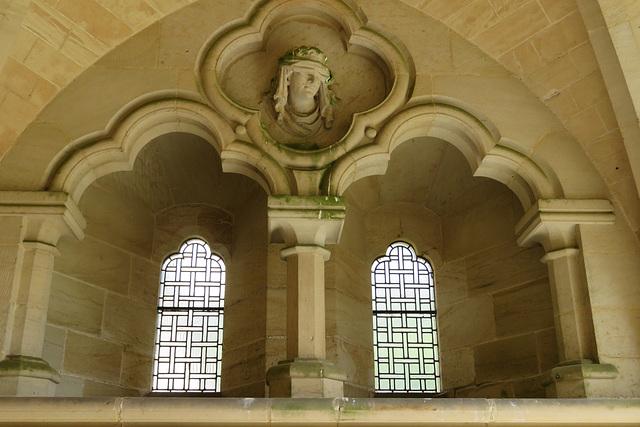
{"type": "Point", "coordinates": [188, 346]}
{"type": "Point", "coordinates": [405, 336]}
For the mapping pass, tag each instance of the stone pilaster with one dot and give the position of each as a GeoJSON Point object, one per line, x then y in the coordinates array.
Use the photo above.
{"type": "Point", "coordinates": [305, 224]}
{"type": "Point", "coordinates": [39, 219]}
{"type": "Point", "coordinates": [553, 224]}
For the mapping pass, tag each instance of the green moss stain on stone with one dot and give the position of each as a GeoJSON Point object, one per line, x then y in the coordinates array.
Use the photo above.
{"type": "Point", "coordinates": [18, 365]}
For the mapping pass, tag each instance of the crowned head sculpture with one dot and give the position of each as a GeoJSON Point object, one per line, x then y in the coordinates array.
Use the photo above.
{"type": "Point", "coordinates": [302, 99]}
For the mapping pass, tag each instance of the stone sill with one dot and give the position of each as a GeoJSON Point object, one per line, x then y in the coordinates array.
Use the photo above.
{"type": "Point", "coordinates": [177, 411]}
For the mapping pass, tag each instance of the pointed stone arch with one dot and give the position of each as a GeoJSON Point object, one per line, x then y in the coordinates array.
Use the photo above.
{"type": "Point", "coordinates": [116, 148]}
{"type": "Point", "coordinates": [487, 153]}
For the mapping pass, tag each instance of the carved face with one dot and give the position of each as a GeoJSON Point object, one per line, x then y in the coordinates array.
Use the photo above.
{"type": "Point", "coordinates": [302, 99]}
{"type": "Point", "coordinates": [303, 85]}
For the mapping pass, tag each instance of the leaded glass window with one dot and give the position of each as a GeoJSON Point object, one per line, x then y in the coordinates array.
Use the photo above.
{"type": "Point", "coordinates": [405, 336]}
{"type": "Point", "coordinates": [190, 319]}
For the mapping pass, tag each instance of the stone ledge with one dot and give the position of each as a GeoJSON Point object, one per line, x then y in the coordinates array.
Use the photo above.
{"type": "Point", "coordinates": [178, 411]}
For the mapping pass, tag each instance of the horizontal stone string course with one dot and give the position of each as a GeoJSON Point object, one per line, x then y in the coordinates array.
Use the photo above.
{"type": "Point", "coordinates": [26, 412]}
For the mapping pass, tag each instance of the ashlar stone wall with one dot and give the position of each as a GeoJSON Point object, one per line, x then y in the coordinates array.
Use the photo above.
{"type": "Point", "coordinates": [245, 340]}
{"type": "Point", "coordinates": [613, 273]}
{"type": "Point", "coordinates": [348, 297]}
{"type": "Point", "coordinates": [102, 313]}
{"type": "Point", "coordinates": [102, 318]}
{"type": "Point", "coordinates": [497, 326]}
{"type": "Point", "coordinates": [495, 315]}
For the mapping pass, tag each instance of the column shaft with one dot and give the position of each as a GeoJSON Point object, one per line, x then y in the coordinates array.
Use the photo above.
{"type": "Point", "coordinates": [305, 302]}
{"type": "Point", "coordinates": [32, 300]}
{"type": "Point", "coordinates": [572, 311]}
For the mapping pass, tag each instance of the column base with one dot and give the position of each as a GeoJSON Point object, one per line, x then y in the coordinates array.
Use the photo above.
{"type": "Point", "coordinates": [306, 378]}
{"type": "Point", "coordinates": [27, 376]}
{"type": "Point", "coordinates": [578, 379]}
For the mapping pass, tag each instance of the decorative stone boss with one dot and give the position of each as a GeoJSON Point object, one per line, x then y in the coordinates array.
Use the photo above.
{"type": "Point", "coordinates": [302, 99]}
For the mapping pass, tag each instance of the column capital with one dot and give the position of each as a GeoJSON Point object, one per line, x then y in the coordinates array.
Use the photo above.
{"type": "Point", "coordinates": [552, 222]}
{"type": "Point", "coordinates": [306, 220]}
{"type": "Point", "coordinates": [305, 249]}
{"type": "Point", "coordinates": [560, 253]}
{"type": "Point", "coordinates": [49, 215]}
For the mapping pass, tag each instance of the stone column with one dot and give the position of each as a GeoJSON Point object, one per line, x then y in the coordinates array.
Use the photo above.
{"type": "Point", "coordinates": [553, 224]}
{"type": "Point", "coordinates": [38, 220]}
{"type": "Point", "coordinates": [305, 224]}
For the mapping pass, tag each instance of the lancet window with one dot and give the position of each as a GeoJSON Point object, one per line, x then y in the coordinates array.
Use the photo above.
{"type": "Point", "coordinates": [190, 318]}
{"type": "Point", "coordinates": [404, 323]}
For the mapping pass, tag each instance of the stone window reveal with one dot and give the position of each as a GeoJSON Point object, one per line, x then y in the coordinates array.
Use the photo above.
{"type": "Point", "coordinates": [190, 318]}
{"type": "Point", "coordinates": [405, 337]}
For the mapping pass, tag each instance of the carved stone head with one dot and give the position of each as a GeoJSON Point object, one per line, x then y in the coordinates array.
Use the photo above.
{"type": "Point", "coordinates": [302, 99]}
